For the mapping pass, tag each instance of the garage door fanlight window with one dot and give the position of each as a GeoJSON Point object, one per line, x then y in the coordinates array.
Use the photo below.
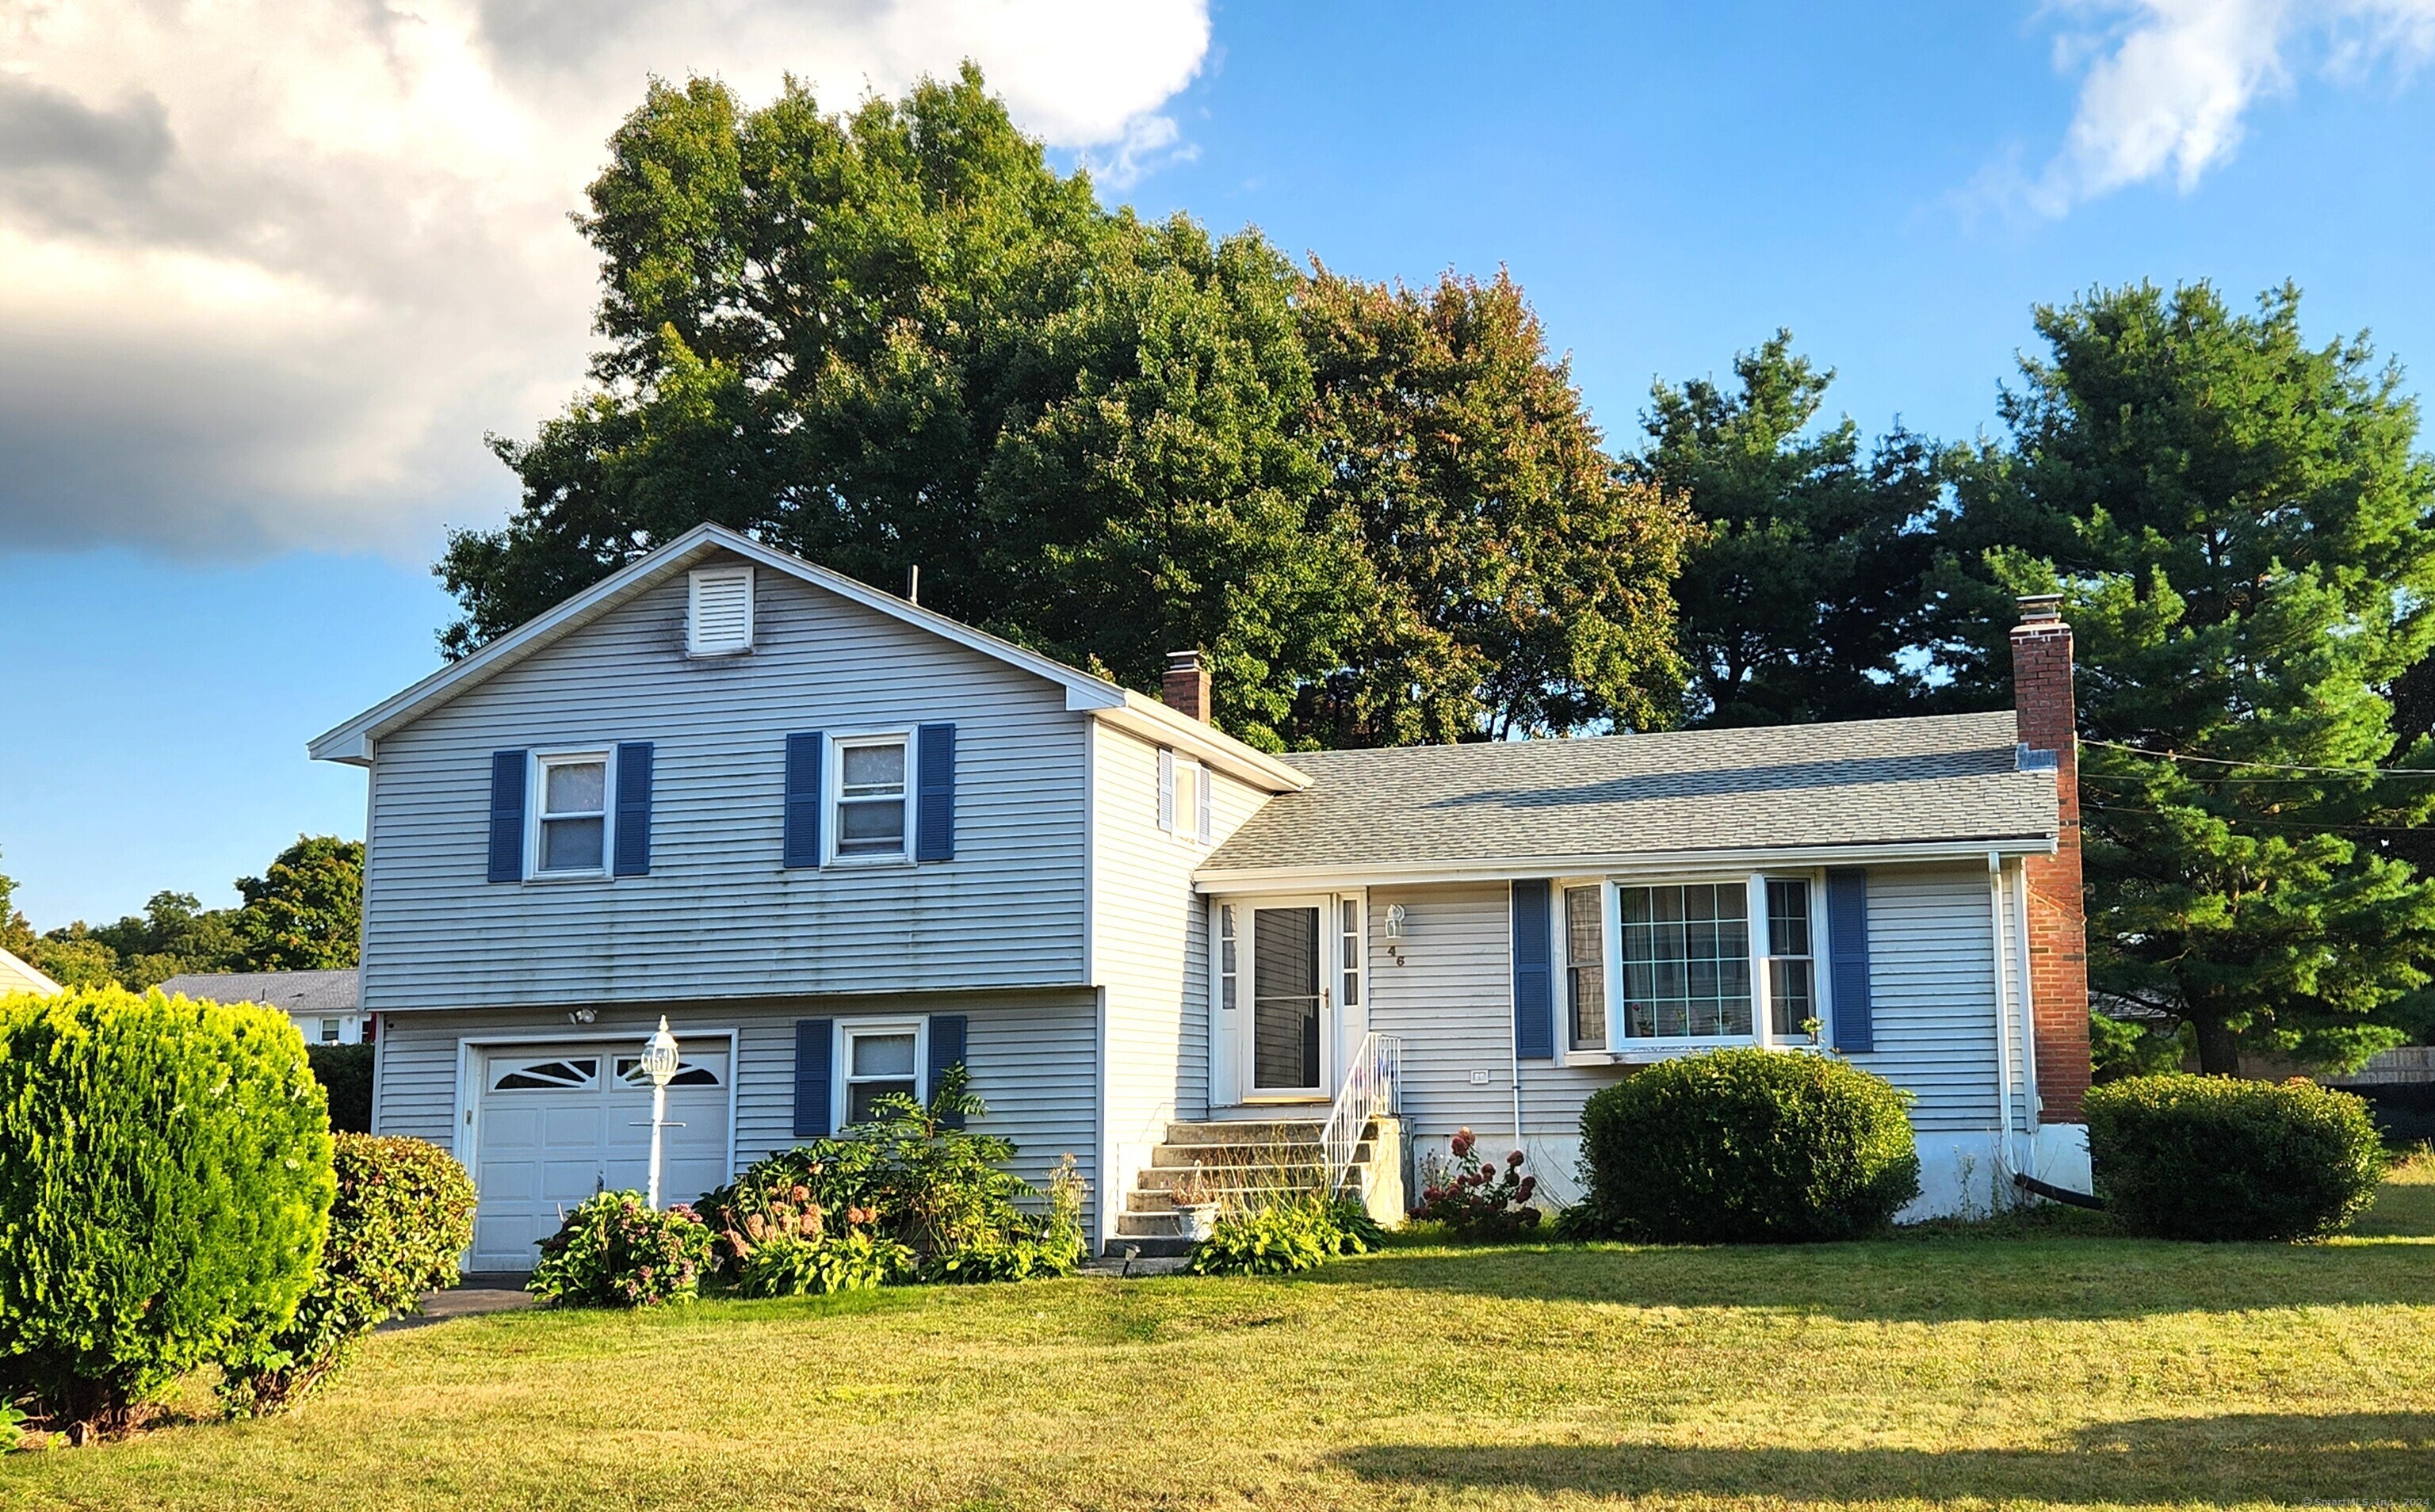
{"type": "Point", "coordinates": [630, 1070]}
{"type": "Point", "coordinates": [547, 1076]}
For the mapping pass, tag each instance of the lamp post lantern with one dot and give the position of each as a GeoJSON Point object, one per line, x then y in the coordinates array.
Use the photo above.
{"type": "Point", "coordinates": [659, 1063]}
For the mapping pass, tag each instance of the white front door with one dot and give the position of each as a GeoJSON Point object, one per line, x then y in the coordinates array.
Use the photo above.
{"type": "Point", "coordinates": [1283, 986]}
{"type": "Point", "coordinates": [559, 1123]}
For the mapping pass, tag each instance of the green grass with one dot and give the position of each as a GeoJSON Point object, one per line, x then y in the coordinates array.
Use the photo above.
{"type": "Point", "coordinates": [2041, 1366]}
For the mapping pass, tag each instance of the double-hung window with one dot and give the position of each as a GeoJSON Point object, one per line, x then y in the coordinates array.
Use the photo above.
{"type": "Point", "coordinates": [1585, 967]}
{"type": "Point", "coordinates": [1348, 928]}
{"type": "Point", "coordinates": [1686, 961]}
{"type": "Point", "coordinates": [870, 806]}
{"type": "Point", "coordinates": [1792, 964]}
{"type": "Point", "coordinates": [570, 824]}
{"type": "Point", "coordinates": [880, 1058]}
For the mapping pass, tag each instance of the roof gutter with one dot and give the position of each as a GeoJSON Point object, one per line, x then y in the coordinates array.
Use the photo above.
{"type": "Point", "coordinates": [1611, 863]}
{"type": "Point", "coordinates": [1159, 725]}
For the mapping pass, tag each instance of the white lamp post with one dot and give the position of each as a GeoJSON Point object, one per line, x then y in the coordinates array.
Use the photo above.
{"type": "Point", "coordinates": [660, 1063]}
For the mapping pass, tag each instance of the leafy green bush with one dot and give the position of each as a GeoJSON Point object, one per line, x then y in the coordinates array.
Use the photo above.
{"type": "Point", "coordinates": [1473, 1199]}
{"type": "Point", "coordinates": [2211, 1158]}
{"type": "Point", "coordinates": [1292, 1234]}
{"type": "Point", "coordinates": [616, 1251]}
{"type": "Point", "coordinates": [405, 1211]}
{"type": "Point", "coordinates": [165, 1191]}
{"type": "Point", "coordinates": [1745, 1145]}
{"type": "Point", "coordinates": [1357, 1232]}
{"type": "Point", "coordinates": [786, 1265]}
{"type": "Point", "coordinates": [914, 1178]}
{"type": "Point", "coordinates": [345, 1071]}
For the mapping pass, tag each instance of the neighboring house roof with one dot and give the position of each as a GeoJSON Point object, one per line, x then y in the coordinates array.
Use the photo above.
{"type": "Point", "coordinates": [296, 991]}
{"type": "Point", "coordinates": [19, 976]}
{"type": "Point", "coordinates": [1537, 807]}
{"type": "Point", "coordinates": [352, 742]}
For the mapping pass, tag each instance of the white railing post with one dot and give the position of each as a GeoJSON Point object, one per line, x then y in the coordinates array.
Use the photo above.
{"type": "Point", "coordinates": [1371, 1087]}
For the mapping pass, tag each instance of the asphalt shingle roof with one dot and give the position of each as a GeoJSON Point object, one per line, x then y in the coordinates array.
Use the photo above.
{"type": "Point", "coordinates": [296, 991]}
{"type": "Point", "coordinates": [1947, 777]}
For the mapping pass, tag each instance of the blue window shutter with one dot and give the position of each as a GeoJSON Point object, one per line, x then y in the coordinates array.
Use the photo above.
{"type": "Point", "coordinates": [946, 1049]}
{"type": "Point", "coordinates": [803, 847]}
{"type": "Point", "coordinates": [815, 1050]}
{"type": "Point", "coordinates": [934, 760]}
{"type": "Point", "coordinates": [1534, 995]}
{"type": "Point", "coordinates": [633, 810]}
{"type": "Point", "coordinates": [507, 815]}
{"type": "Point", "coordinates": [1847, 946]}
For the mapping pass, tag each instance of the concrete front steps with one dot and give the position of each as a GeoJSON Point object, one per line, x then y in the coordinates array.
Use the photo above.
{"type": "Point", "coordinates": [1242, 1163]}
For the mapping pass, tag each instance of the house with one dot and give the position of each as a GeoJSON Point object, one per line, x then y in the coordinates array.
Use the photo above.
{"type": "Point", "coordinates": [843, 842]}
{"type": "Point", "coordinates": [323, 1005]}
{"type": "Point", "coordinates": [20, 976]}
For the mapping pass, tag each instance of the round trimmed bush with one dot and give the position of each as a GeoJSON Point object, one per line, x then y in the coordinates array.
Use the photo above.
{"type": "Point", "coordinates": [165, 1191]}
{"type": "Point", "coordinates": [615, 1250]}
{"type": "Point", "coordinates": [1744, 1147]}
{"type": "Point", "coordinates": [2212, 1158]}
{"type": "Point", "coordinates": [405, 1211]}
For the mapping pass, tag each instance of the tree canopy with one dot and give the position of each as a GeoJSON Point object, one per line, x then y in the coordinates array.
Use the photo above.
{"type": "Point", "coordinates": [2247, 537]}
{"type": "Point", "coordinates": [900, 338]}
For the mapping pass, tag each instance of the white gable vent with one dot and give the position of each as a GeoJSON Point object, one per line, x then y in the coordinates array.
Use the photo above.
{"type": "Point", "coordinates": [718, 617]}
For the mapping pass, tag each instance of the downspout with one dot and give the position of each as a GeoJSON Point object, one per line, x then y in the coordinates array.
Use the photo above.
{"type": "Point", "coordinates": [2003, 1026]}
{"type": "Point", "coordinates": [1516, 1043]}
{"type": "Point", "coordinates": [2031, 1110]}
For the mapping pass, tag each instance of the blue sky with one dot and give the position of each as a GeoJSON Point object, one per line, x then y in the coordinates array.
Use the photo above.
{"type": "Point", "coordinates": [224, 500]}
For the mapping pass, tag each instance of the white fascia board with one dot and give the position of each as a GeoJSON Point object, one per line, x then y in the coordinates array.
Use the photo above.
{"type": "Point", "coordinates": [1158, 724]}
{"type": "Point", "coordinates": [352, 742]}
{"type": "Point", "coordinates": [1610, 864]}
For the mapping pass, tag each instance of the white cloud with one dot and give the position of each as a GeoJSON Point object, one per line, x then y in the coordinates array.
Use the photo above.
{"type": "Point", "coordinates": [2167, 83]}
{"type": "Point", "coordinates": [269, 270]}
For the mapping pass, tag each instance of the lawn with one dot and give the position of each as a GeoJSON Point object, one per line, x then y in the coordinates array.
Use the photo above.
{"type": "Point", "coordinates": [2051, 1368]}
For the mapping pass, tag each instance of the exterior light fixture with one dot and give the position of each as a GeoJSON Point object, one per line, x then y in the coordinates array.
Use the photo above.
{"type": "Point", "coordinates": [1394, 920]}
{"type": "Point", "coordinates": [660, 1064]}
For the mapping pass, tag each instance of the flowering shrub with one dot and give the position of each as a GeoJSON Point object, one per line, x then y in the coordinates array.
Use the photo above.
{"type": "Point", "coordinates": [616, 1251]}
{"type": "Point", "coordinates": [405, 1211]}
{"type": "Point", "coordinates": [794, 1264]}
{"type": "Point", "coordinates": [912, 1176]}
{"type": "Point", "coordinates": [1473, 1199]}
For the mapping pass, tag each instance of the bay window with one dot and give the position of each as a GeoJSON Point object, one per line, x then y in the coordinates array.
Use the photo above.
{"type": "Point", "coordinates": [1791, 966]}
{"type": "Point", "coordinates": [1585, 966]}
{"type": "Point", "coordinates": [1686, 963]}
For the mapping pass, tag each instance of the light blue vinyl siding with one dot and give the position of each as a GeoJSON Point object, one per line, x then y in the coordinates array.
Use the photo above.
{"type": "Point", "coordinates": [718, 916]}
{"type": "Point", "coordinates": [1033, 1059]}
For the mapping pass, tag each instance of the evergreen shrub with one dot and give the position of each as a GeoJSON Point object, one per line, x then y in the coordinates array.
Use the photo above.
{"type": "Point", "coordinates": [2212, 1158]}
{"type": "Point", "coordinates": [164, 1192]}
{"type": "Point", "coordinates": [1745, 1145]}
{"type": "Point", "coordinates": [404, 1213]}
{"type": "Point", "coordinates": [345, 1071]}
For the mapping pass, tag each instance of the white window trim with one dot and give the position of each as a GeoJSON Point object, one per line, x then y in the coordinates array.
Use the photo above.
{"type": "Point", "coordinates": [537, 786]}
{"type": "Point", "coordinates": [842, 1058]}
{"type": "Point", "coordinates": [833, 797]}
{"type": "Point", "coordinates": [1559, 961]}
{"type": "Point", "coordinates": [1754, 884]}
{"type": "Point", "coordinates": [694, 580]}
{"type": "Point", "coordinates": [1188, 811]}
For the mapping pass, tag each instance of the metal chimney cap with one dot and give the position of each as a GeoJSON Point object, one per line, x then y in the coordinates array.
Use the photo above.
{"type": "Point", "coordinates": [2038, 608]}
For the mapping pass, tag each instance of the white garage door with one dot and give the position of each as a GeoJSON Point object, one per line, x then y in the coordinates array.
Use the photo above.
{"type": "Point", "coordinates": [559, 1123]}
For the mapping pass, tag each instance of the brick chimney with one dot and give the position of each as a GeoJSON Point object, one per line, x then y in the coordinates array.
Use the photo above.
{"type": "Point", "coordinates": [2041, 699]}
{"type": "Point", "coordinates": [1186, 688]}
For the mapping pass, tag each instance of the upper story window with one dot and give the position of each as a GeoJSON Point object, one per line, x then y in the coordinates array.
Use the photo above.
{"type": "Point", "coordinates": [1792, 964]}
{"type": "Point", "coordinates": [1585, 967]}
{"type": "Point", "coordinates": [718, 611]}
{"type": "Point", "coordinates": [870, 799]}
{"type": "Point", "coordinates": [1184, 799]}
{"type": "Point", "coordinates": [571, 821]}
{"type": "Point", "coordinates": [1686, 961]}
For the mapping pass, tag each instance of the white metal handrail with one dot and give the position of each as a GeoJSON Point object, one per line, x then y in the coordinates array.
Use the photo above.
{"type": "Point", "coordinates": [1370, 1090]}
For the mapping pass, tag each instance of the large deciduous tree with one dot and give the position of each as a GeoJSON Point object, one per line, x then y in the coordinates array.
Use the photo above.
{"type": "Point", "coordinates": [2247, 538]}
{"type": "Point", "coordinates": [1810, 580]}
{"type": "Point", "coordinates": [901, 339]}
{"type": "Point", "coordinates": [1517, 584]}
{"type": "Point", "coordinates": [306, 912]}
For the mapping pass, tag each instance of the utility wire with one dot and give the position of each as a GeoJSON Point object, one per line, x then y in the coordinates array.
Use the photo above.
{"type": "Point", "coordinates": [2268, 766]}
{"type": "Point", "coordinates": [2245, 820]}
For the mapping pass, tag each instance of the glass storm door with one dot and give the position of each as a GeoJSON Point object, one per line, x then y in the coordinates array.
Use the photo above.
{"type": "Point", "coordinates": [1288, 1000]}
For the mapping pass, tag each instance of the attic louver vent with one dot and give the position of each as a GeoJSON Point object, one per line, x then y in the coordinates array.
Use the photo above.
{"type": "Point", "coordinates": [719, 620]}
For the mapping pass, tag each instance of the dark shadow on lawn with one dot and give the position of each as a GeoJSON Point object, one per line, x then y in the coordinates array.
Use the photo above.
{"type": "Point", "coordinates": [1903, 1281]}
{"type": "Point", "coordinates": [2208, 1461]}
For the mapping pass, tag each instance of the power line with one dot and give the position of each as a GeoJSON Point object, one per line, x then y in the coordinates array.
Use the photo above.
{"type": "Point", "coordinates": [2246, 820]}
{"type": "Point", "coordinates": [2268, 766]}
